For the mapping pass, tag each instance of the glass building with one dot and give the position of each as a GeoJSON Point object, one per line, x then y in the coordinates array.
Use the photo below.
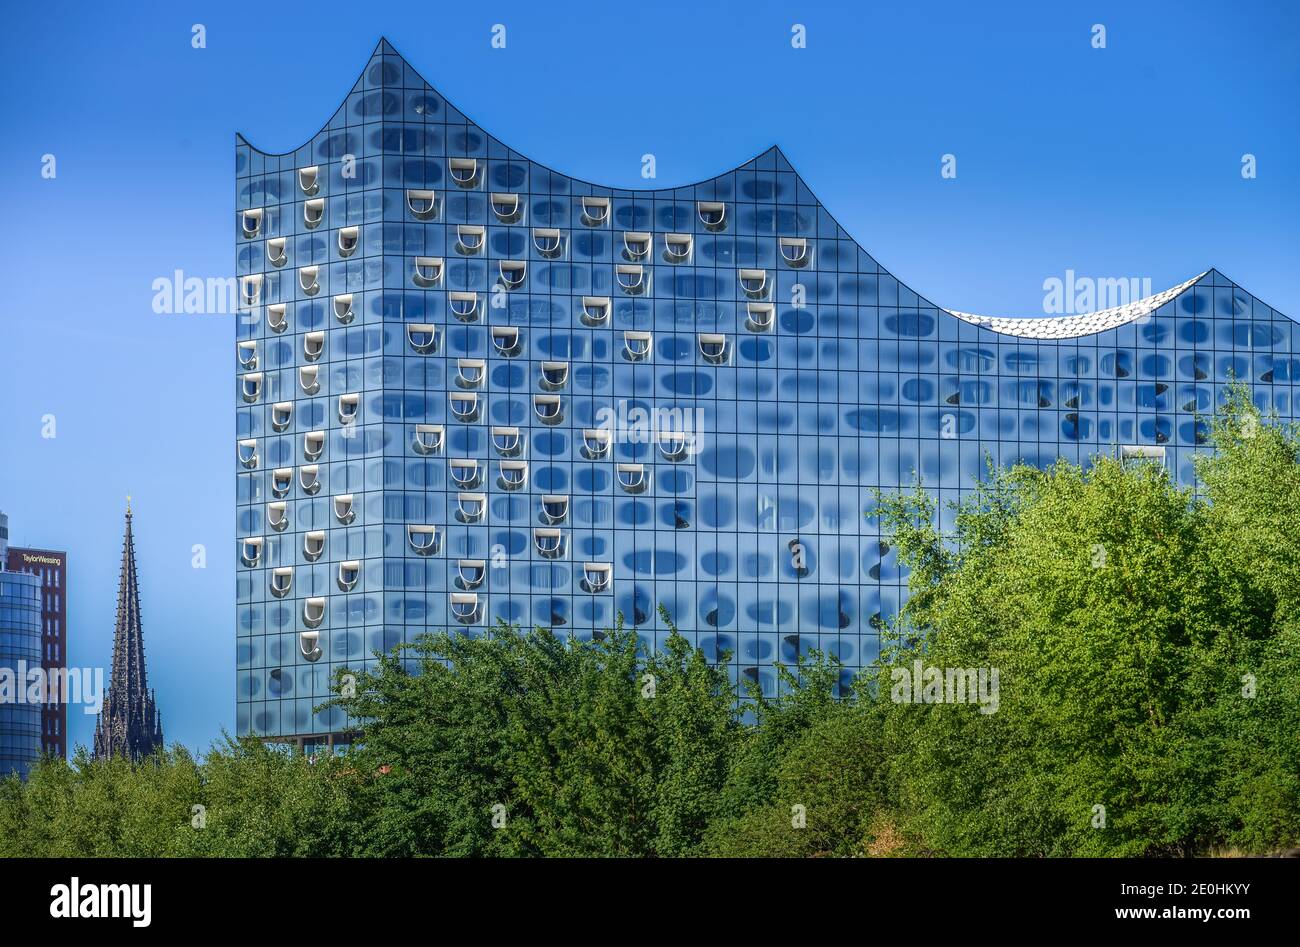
{"type": "Point", "coordinates": [469, 387]}
{"type": "Point", "coordinates": [20, 652]}
{"type": "Point", "coordinates": [51, 567]}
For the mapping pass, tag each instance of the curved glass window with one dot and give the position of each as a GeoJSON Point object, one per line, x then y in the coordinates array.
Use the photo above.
{"type": "Point", "coordinates": [464, 171]}
{"type": "Point", "coordinates": [595, 211]}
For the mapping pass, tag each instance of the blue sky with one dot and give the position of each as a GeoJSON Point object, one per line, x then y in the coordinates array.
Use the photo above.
{"type": "Point", "coordinates": [1123, 161]}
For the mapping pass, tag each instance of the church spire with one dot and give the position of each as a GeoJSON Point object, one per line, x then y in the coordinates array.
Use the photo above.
{"type": "Point", "coordinates": [130, 724]}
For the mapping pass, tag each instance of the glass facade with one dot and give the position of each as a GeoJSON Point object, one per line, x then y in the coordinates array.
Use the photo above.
{"type": "Point", "coordinates": [471, 388]}
{"type": "Point", "coordinates": [51, 567]}
{"type": "Point", "coordinates": [20, 652]}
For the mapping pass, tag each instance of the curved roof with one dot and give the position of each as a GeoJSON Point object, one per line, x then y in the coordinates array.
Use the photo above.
{"type": "Point", "coordinates": [1074, 326]}
{"type": "Point", "coordinates": [1029, 327]}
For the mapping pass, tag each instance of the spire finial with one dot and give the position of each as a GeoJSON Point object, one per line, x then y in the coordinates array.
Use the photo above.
{"type": "Point", "coordinates": [128, 504]}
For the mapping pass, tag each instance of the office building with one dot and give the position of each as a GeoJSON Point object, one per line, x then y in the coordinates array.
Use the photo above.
{"type": "Point", "coordinates": [20, 651]}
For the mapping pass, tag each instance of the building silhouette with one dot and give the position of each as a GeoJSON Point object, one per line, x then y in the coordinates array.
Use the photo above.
{"type": "Point", "coordinates": [129, 724]}
{"type": "Point", "coordinates": [469, 387]}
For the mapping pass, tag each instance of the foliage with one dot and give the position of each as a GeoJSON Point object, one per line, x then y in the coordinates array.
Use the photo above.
{"type": "Point", "coordinates": [1147, 648]}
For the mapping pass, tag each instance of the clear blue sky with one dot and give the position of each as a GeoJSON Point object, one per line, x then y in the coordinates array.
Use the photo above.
{"type": "Point", "coordinates": [1116, 162]}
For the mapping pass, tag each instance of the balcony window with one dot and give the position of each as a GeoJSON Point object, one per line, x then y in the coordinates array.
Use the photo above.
{"type": "Point", "coordinates": [423, 204]}
{"type": "Point", "coordinates": [281, 481]}
{"type": "Point", "coordinates": [345, 510]}
{"type": "Point", "coordinates": [506, 207]}
{"type": "Point", "coordinates": [469, 238]}
{"type": "Point", "coordinates": [349, 575]}
{"type": "Point", "coordinates": [636, 245]}
{"type": "Point", "coordinates": [247, 354]}
{"type": "Point", "coordinates": [308, 279]}
{"type": "Point", "coordinates": [464, 405]}
{"type": "Point", "coordinates": [596, 576]}
{"type": "Point", "coordinates": [424, 540]}
{"type": "Point", "coordinates": [674, 445]}
{"type": "Point", "coordinates": [713, 214]}
{"type": "Point", "coordinates": [595, 310]}
{"type": "Point", "coordinates": [471, 506]}
{"type": "Point", "coordinates": [250, 289]}
{"type": "Point", "coordinates": [247, 452]}
{"type": "Point", "coordinates": [275, 251]}
{"type": "Point", "coordinates": [309, 379]}
{"type": "Point", "coordinates": [548, 241]}
{"type": "Point", "coordinates": [548, 408]}
{"type": "Point", "coordinates": [250, 551]}
{"type": "Point", "coordinates": [760, 316]}
{"type": "Point", "coordinates": [1137, 453]}
{"type": "Point", "coordinates": [313, 445]}
{"type": "Point", "coordinates": [713, 347]}
{"type": "Point", "coordinates": [309, 645]}
{"type": "Point", "coordinates": [595, 443]}
{"type": "Point", "coordinates": [471, 572]}
{"type": "Point", "coordinates": [632, 477]}
{"type": "Point", "coordinates": [636, 345]}
{"type": "Point", "coordinates": [549, 542]}
{"type": "Point", "coordinates": [276, 319]}
{"type": "Point", "coordinates": [677, 247]}
{"type": "Point", "coordinates": [309, 180]}
{"type": "Point", "coordinates": [555, 508]}
{"type": "Point", "coordinates": [343, 308]}
{"type": "Point", "coordinates": [464, 606]}
{"type": "Point", "coordinates": [250, 386]}
{"type": "Point", "coordinates": [514, 474]}
{"type": "Point", "coordinates": [313, 345]}
{"type": "Point", "coordinates": [313, 612]}
{"type": "Point", "coordinates": [506, 340]}
{"type": "Point", "coordinates": [595, 211]}
{"type": "Point", "coordinates": [428, 438]}
{"type": "Point", "coordinates": [422, 337]}
{"type": "Point", "coordinates": [464, 171]}
{"type": "Point", "coordinates": [349, 407]}
{"type": "Point", "coordinates": [465, 473]}
{"type": "Point", "coordinates": [313, 545]}
{"type": "Point", "coordinates": [277, 515]}
{"type": "Point", "coordinates": [428, 270]}
{"type": "Point", "coordinates": [794, 250]}
{"type": "Point", "coordinates": [252, 222]}
{"type": "Point", "coordinates": [464, 306]}
{"type": "Point", "coordinates": [281, 582]}
{"type": "Point", "coordinates": [349, 237]}
{"type": "Point", "coordinates": [313, 212]}
{"type": "Point", "coordinates": [631, 278]}
{"type": "Point", "coordinates": [309, 479]}
{"type": "Point", "coordinates": [554, 375]}
{"type": "Point", "coordinates": [512, 273]}
{"type": "Point", "coordinates": [470, 372]}
{"type": "Point", "coordinates": [281, 415]}
{"type": "Point", "coordinates": [754, 283]}
{"type": "Point", "coordinates": [507, 441]}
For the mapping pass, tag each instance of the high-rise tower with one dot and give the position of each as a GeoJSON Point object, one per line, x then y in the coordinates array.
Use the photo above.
{"type": "Point", "coordinates": [130, 724]}
{"type": "Point", "coordinates": [20, 651]}
{"type": "Point", "coordinates": [51, 567]}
